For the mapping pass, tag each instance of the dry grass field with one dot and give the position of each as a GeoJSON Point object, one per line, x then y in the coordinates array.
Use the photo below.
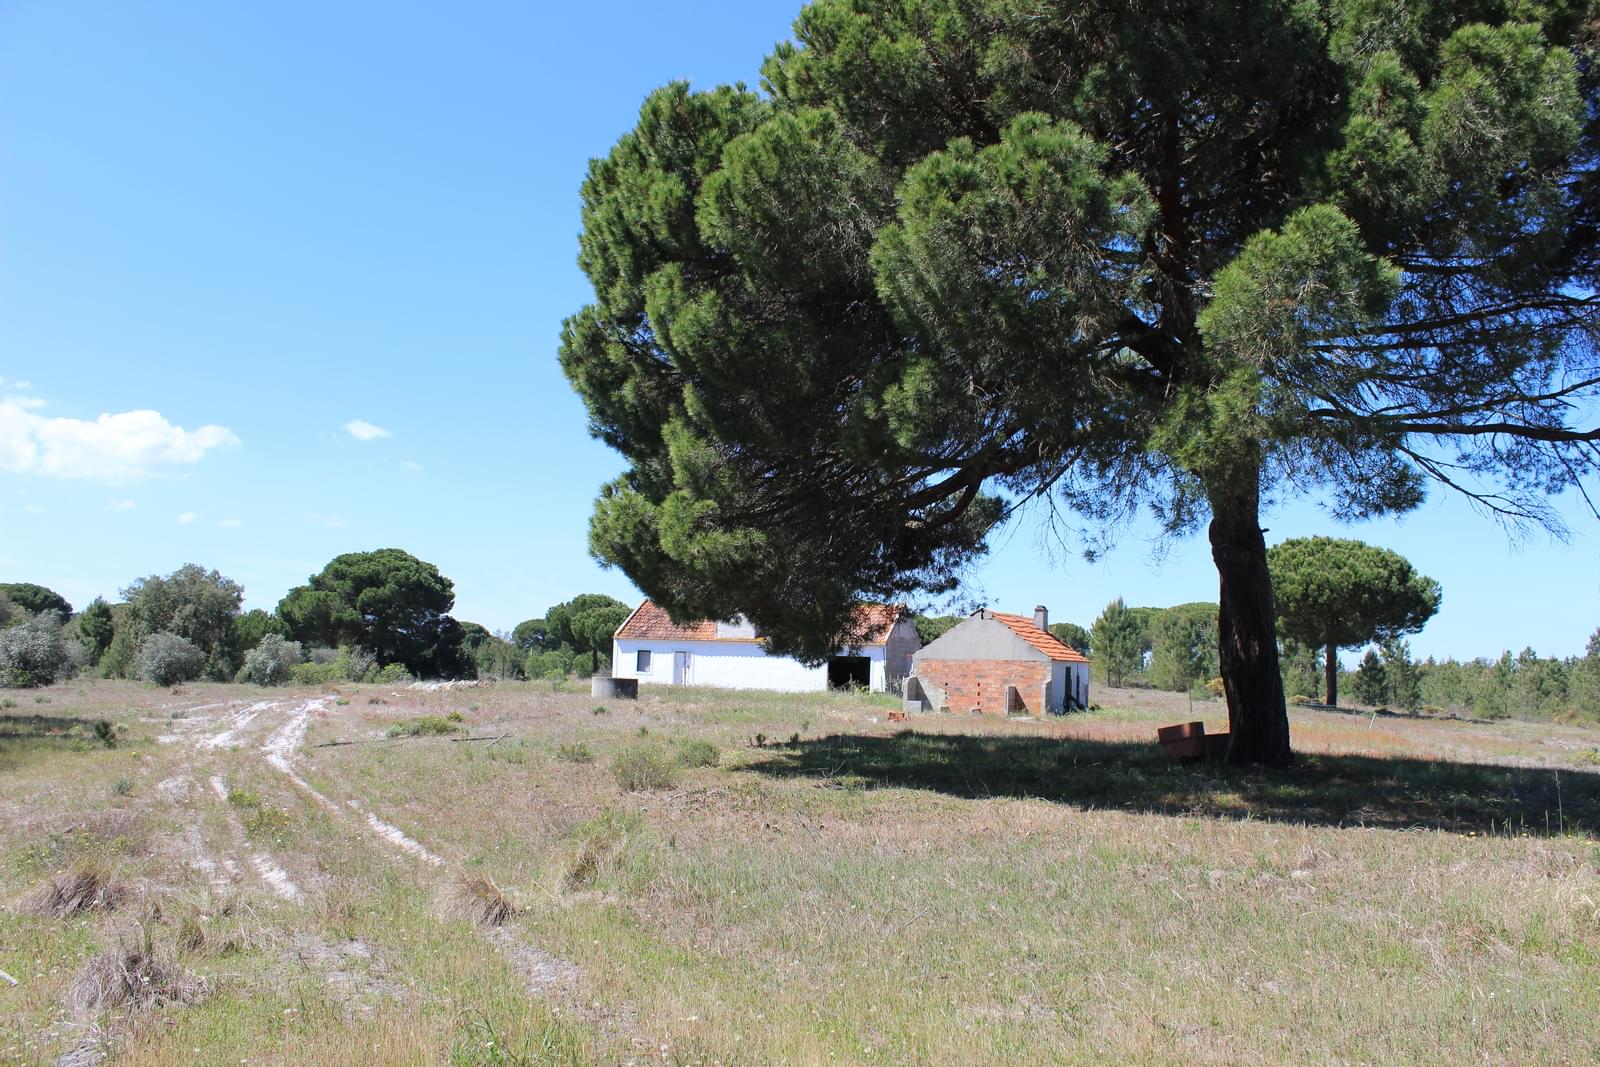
{"type": "Point", "coordinates": [513, 875]}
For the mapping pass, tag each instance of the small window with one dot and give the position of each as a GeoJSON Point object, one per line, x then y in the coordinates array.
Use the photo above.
{"type": "Point", "coordinates": [643, 665]}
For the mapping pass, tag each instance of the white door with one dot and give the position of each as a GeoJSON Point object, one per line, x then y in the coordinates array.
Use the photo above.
{"type": "Point", "coordinates": [683, 668]}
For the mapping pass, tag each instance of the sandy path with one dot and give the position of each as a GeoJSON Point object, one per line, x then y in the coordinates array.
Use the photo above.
{"type": "Point", "coordinates": [276, 877]}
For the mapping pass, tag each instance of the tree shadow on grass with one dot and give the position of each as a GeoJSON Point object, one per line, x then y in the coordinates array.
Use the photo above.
{"type": "Point", "coordinates": [1326, 790]}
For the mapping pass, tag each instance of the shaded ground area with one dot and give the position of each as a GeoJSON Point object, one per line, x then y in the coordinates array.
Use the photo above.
{"type": "Point", "coordinates": [1331, 790]}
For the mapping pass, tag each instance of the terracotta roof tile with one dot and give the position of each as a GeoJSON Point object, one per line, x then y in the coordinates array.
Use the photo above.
{"type": "Point", "coordinates": [1045, 642]}
{"type": "Point", "coordinates": [650, 622]}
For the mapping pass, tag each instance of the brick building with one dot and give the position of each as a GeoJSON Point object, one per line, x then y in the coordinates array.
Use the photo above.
{"type": "Point", "coordinates": [995, 663]}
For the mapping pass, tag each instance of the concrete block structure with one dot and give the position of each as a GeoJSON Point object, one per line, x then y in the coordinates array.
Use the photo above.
{"type": "Point", "coordinates": [995, 663]}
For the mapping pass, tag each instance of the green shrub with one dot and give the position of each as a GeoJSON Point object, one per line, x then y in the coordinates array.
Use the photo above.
{"type": "Point", "coordinates": [272, 661]}
{"type": "Point", "coordinates": [576, 752]}
{"type": "Point", "coordinates": [105, 733]}
{"type": "Point", "coordinates": [167, 659]}
{"type": "Point", "coordinates": [33, 652]}
{"type": "Point", "coordinates": [697, 753]}
{"type": "Point", "coordinates": [122, 787]}
{"type": "Point", "coordinates": [393, 674]}
{"type": "Point", "coordinates": [314, 673]}
{"type": "Point", "coordinates": [644, 767]}
{"type": "Point", "coordinates": [424, 725]}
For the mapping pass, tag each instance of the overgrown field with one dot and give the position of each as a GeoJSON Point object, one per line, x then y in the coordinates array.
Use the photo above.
{"type": "Point", "coordinates": [512, 874]}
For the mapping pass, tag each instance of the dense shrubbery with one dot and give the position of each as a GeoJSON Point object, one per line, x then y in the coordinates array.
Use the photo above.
{"type": "Point", "coordinates": [1524, 686]}
{"type": "Point", "coordinates": [271, 662]}
{"type": "Point", "coordinates": [198, 605]}
{"type": "Point", "coordinates": [33, 652]}
{"type": "Point", "coordinates": [167, 659]}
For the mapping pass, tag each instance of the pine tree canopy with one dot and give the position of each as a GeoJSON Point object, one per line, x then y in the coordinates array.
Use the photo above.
{"type": "Point", "coordinates": [1181, 257]}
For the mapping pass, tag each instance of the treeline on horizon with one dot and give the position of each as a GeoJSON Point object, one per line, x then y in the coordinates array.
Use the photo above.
{"type": "Point", "coordinates": [384, 616]}
{"type": "Point", "coordinates": [381, 616]}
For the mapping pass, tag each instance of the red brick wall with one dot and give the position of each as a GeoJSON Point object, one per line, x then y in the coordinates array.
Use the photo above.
{"type": "Point", "coordinates": [981, 683]}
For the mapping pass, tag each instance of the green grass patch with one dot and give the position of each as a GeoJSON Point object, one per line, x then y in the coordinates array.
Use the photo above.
{"type": "Point", "coordinates": [427, 726]}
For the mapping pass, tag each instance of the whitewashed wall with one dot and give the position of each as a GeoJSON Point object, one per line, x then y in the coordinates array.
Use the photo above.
{"type": "Point", "coordinates": [730, 665]}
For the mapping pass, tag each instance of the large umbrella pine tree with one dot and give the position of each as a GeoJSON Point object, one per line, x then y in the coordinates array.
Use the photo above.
{"type": "Point", "coordinates": [1190, 258]}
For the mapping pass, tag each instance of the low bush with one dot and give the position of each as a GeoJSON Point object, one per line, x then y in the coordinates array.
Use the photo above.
{"type": "Point", "coordinates": [272, 661]}
{"type": "Point", "coordinates": [393, 674]}
{"type": "Point", "coordinates": [424, 725]}
{"type": "Point", "coordinates": [167, 659]}
{"type": "Point", "coordinates": [33, 652]}
{"type": "Point", "coordinates": [576, 752]}
{"type": "Point", "coordinates": [315, 673]}
{"type": "Point", "coordinates": [645, 767]}
{"type": "Point", "coordinates": [698, 753]}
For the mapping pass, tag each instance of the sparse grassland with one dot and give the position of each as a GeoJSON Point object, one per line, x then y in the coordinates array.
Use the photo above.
{"type": "Point", "coordinates": [747, 878]}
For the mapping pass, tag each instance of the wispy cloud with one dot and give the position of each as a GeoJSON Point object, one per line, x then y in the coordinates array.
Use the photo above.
{"type": "Point", "coordinates": [32, 509]}
{"type": "Point", "coordinates": [335, 522]}
{"type": "Point", "coordinates": [362, 430]}
{"type": "Point", "coordinates": [120, 505]}
{"type": "Point", "coordinates": [114, 448]}
{"type": "Point", "coordinates": [230, 523]}
{"type": "Point", "coordinates": [411, 465]}
{"type": "Point", "coordinates": [185, 518]}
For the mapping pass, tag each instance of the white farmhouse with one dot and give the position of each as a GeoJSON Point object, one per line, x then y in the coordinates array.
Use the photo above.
{"type": "Point", "coordinates": [651, 647]}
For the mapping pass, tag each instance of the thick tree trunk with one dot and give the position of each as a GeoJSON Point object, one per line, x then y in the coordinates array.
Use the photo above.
{"type": "Point", "coordinates": [1247, 627]}
{"type": "Point", "coordinates": [1330, 674]}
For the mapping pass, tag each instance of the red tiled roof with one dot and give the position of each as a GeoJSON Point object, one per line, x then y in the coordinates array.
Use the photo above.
{"type": "Point", "coordinates": [650, 622]}
{"type": "Point", "coordinates": [1045, 642]}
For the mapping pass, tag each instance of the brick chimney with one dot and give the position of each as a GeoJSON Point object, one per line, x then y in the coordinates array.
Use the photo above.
{"type": "Point", "coordinates": [1041, 618]}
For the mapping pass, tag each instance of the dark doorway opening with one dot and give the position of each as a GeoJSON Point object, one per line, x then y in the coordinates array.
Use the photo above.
{"type": "Point", "coordinates": [849, 672]}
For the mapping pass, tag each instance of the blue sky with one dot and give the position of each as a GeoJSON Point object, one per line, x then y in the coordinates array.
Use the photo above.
{"type": "Point", "coordinates": [283, 281]}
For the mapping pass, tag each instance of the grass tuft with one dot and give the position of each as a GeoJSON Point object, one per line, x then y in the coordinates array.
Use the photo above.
{"type": "Point", "coordinates": [482, 901]}
{"type": "Point", "coordinates": [86, 887]}
{"type": "Point", "coordinates": [575, 752]}
{"type": "Point", "coordinates": [426, 726]}
{"type": "Point", "coordinates": [693, 752]}
{"type": "Point", "coordinates": [640, 768]}
{"type": "Point", "coordinates": [136, 976]}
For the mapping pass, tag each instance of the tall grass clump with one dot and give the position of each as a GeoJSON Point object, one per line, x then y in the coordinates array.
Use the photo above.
{"type": "Point", "coordinates": [86, 887]}
{"type": "Point", "coordinates": [640, 768]}
{"type": "Point", "coordinates": [137, 976]}
{"type": "Point", "coordinates": [694, 752]}
{"type": "Point", "coordinates": [483, 902]}
{"type": "Point", "coordinates": [426, 726]}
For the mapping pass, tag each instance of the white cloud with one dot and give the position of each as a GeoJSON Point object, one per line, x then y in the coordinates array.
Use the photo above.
{"type": "Point", "coordinates": [411, 465]}
{"type": "Point", "coordinates": [335, 522]}
{"type": "Point", "coordinates": [33, 509]}
{"type": "Point", "coordinates": [362, 430]}
{"type": "Point", "coordinates": [186, 518]}
{"type": "Point", "coordinates": [118, 448]}
{"type": "Point", "coordinates": [120, 505]}
{"type": "Point", "coordinates": [230, 523]}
